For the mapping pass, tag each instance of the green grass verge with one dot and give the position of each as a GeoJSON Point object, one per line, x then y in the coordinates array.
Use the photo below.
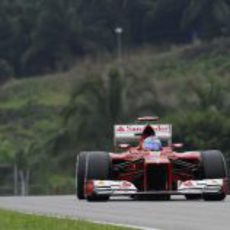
{"type": "Point", "coordinates": [18, 221]}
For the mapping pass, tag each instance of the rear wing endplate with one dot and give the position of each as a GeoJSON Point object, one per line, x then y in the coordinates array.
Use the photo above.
{"type": "Point", "coordinates": [131, 133]}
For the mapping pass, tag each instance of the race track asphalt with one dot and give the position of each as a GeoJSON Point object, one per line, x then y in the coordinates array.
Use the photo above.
{"type": "Point", "coordinates": [177, 214]}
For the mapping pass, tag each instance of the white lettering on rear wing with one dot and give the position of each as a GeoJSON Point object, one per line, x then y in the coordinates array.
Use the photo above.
{"type": "Point", "coordinates": [129, 133]}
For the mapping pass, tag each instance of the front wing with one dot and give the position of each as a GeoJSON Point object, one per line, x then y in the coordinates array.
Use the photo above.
{"type": "Point", "coordinates": [126, 188]}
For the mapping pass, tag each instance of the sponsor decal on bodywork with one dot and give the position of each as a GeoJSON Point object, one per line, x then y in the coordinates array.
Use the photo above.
{"type": "Point", "coordinates": [125, 131]}
{"type": "Point", "coordinates": [208, 185]}
{"type": "Point", "coordinates": [114, 187]}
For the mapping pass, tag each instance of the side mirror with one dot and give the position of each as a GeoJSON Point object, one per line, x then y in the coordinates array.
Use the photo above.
{"type": "Point", "coordinates": [124, 146]}
{"type": "Point", "coordinates": [177, 145]}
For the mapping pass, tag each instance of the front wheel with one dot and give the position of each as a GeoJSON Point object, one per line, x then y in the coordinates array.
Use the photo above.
{"type": "Point", "coordinates": [98, 168]}
{"type": "Point", "coordinates": [213, 167]}
{"type": "Point", "coordinates": [214, 197]}
{"type": "Point", "coordinates": [80, 174]}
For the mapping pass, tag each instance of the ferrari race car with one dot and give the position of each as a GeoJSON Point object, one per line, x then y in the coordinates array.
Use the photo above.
{"type": "Point", "coordinates": [142, 173]}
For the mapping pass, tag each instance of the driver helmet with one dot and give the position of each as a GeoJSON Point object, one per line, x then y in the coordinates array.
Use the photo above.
{"type": "Point", "coordinates": [152, 143]}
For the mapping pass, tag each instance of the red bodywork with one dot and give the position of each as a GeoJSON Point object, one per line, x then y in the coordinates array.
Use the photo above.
{"type": "Point", "coordinates": [140, 166]}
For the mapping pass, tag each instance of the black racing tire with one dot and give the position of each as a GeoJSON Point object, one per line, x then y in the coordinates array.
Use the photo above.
{"type": "Point", "coordinates": [213, 165]}
{"type": "Point", "coordinates": [98, 167]}
{"type": "Point", "coordinates": [80, 174]}
{"type": "Point", "coordinates": [193, 196]}
{"type": "Point", "coordinates": [214, 197]}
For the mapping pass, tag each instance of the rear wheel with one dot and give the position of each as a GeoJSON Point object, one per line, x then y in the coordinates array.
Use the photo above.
{"type": "Point", "coordinates": [98, 168]}
{"type": "Point", "coordinates": [214, 197]}
{"type": "Point", "coordinates": [213, 167]}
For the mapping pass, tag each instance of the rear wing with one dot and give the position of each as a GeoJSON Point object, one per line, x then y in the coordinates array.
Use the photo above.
{"type": "Point", "coordinates": [130, 134]}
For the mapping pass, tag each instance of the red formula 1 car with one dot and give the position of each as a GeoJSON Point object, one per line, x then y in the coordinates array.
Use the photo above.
{"type": "Point", "coordinates": [143, 173]}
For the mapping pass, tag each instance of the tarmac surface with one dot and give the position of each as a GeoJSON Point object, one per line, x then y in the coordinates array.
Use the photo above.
{"type": "Point", "coordinates": [178, 214]}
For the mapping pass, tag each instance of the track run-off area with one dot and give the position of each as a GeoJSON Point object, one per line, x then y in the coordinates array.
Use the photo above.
{"type": "Point", "coordinates": [178, 214]}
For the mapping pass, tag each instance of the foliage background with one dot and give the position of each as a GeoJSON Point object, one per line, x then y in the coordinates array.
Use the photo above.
{"type": "Point", "coordinates": [62, 87]}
